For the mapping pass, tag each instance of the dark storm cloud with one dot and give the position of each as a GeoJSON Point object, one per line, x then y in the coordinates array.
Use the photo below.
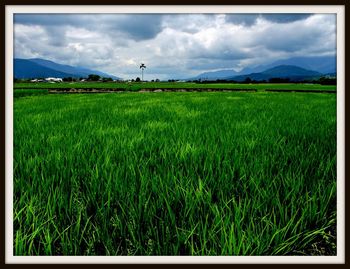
{"type": "Point", "coordinates": [250, 19]}
{"type": "Point", "coordinates": [134, 26]}
{"type": "Point", "coordinates": [295, 42]}
{"type": "Point", "coordinates": [51, 19]}
{"type": "Point", "coordinates": [284, 18]}
{"type": "Point", "coordinates": [243, 19]}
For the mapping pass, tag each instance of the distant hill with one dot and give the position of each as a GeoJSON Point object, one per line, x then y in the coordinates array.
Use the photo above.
{"type": "Point", "coordinates": [214, 75]}
{"type": "Point", "coordinates": [292, 72]}
{"type": "Point", "coordinates": [27, 69]}
{"type": "Point", "coordinates": [321, 64]}
{"type": "Point", "coordinates": [40, 68]}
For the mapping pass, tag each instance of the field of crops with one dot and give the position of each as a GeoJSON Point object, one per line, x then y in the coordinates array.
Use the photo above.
{"type": "Point", "coordinates": [219, 173]}
{"type": "Point", "coordinates": [135, 86]}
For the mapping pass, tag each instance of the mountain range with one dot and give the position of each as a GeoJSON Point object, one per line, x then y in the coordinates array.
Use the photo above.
{"type": "Point", "coordinates": [40, 68]}
{"type": "Point", "coordinates": [322, 65]}
{"type": "Point", "coordinates": [291, 72]}
{"type": "Point", "coordinates": [296, 69]}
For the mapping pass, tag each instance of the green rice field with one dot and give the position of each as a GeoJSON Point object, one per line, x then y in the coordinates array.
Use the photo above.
{"type": "Point", "coordinates": [180, 173]}
{"type": "Point", "coordinates": [136, 86]}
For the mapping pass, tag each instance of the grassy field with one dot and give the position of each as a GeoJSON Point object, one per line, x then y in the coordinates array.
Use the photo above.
{"type": "Point", "coordinates": [135, 86]}
{"type": "Point", "coordinates": [29, 92]}
{"type": "Point", "coordinates": [223, 173]}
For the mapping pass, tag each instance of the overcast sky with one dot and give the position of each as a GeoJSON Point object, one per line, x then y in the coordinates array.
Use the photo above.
{"type": "Point", "coordinates": [172, 45]}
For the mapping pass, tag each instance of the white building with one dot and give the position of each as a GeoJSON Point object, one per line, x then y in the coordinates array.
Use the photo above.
{"type": "Point", "coordinates": [53, 79]}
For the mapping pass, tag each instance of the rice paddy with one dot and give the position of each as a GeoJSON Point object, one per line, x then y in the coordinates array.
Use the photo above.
{"type": "Point", "coordinates": [211, 173]}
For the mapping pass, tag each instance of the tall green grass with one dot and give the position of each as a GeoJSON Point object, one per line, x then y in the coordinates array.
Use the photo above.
{"type": "Point", "coordinates": [175, 174]}
{"type": "Point", "coordinates": [29, 92]}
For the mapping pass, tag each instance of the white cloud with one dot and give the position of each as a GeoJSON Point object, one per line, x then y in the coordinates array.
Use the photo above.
{"type": "Point", "coordinates": [172, 45]}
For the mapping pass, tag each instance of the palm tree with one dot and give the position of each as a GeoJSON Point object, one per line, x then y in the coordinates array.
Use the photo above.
{"type": "Point", "coordinates": [142, 66]}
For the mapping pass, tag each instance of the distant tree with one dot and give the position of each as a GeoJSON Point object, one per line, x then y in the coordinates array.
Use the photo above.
{"type": "Point", "coordinates": [248, 80]}
{"type": "Point", "coordinates": [279, 80]}
{"type": "Point", "coordinates": [138, 79]}
{"type": "Point", "coordinates": [67, 79]}
{"type": "Point", "coordinates": [107, 79]}
{"type": "Point", "coordinates": [93, 77]}
{"type": "Point", "coordinates": [327, 81]}
{"type": "Point", "coordinates": [157, 80]}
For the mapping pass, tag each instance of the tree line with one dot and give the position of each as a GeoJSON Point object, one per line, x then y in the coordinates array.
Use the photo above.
{"type": "Point", "coordinates": [248, 80]}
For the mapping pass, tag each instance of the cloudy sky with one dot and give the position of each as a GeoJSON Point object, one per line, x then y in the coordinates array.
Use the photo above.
{"type": "Point", "coordinates": [172, 45]}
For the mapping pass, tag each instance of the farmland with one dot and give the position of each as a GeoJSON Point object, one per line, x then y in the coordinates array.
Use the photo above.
{"type": "Point", "coordinates": [211, 173]}
{"type": "Point", "coordinates": [136, 86]}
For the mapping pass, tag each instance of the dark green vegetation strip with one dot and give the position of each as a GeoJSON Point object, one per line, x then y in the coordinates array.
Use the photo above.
{"type": "Point", "coordinates": [305, 91]}
{"type": "Point", "coordinates": [86, 90]}
{"type": "Point", "coordinates": [29, 92]}
{"type": "Point", "coordinates": [136, 86]}
{"type": "Point", "coordinates": [175, 174]}
{"type": "Point", "coordinates": [100, 90]}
